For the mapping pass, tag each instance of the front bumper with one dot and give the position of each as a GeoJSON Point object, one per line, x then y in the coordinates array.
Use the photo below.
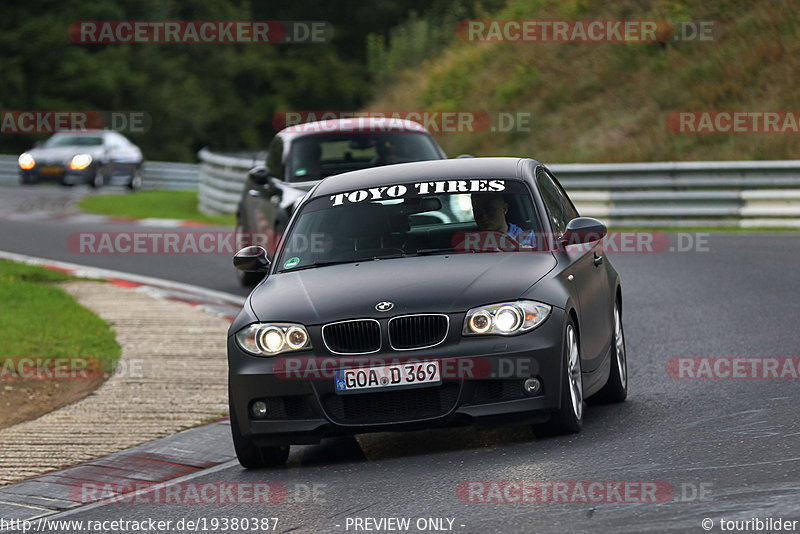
{"type": "Point", "coordinates": [57, 173]}
{"type": "Point", "coordinates": [481, 385]}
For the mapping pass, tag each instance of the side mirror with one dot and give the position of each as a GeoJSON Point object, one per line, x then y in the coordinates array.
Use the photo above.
{"type": "Point", "coordinates": [251, 260]}
{"type": "Point", "coordinates": [583, 230]}
{"type": "Point", "coordinates": [259, 175]}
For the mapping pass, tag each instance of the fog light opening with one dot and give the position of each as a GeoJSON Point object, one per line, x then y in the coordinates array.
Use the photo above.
{"type": "Point", "coordinates": [532, 386]}
{"type": "Point", "coordinates": [259, 409]}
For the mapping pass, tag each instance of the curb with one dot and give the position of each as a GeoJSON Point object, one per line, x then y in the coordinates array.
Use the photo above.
{"type": "Point", "coordinates": [155, 462]}
{"type": "Point", "coordinates": [191, 294]}
{"type": "Point", "coordinates": [82, 217]}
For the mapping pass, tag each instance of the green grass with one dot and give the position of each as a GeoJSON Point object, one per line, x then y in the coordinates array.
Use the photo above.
{"type": "Point", "coordinates": [156, 204]}
{"type": "Point", "coordinates": [38, 320]}
{"type": "Point", "coordinates": [610, 102]}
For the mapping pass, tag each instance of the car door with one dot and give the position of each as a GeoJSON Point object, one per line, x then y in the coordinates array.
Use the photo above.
{"type": "Point", "coordinates": [588, 267]}
{"type": "Point", "coordinates": [130, 157]}
{"type": "Point", "coordinates": [118, 155]}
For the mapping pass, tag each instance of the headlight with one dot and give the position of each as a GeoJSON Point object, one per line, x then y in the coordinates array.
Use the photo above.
{"type": "Point", "coordinates": [26, 161]}
{"type": "Point", "coordinates": [269, 339]}
{"type": "Point", "coordinates": [506, 318]}
{"type": "Point", "coordinates": [80, 161]}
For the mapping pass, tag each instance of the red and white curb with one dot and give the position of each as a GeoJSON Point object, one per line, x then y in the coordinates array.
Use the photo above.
{"type": "Point", "coordinates": [169, 460]}
{"type": "Point", "coordinates": [217, 302]}
{"type": "Point", "coordinates": [90, 218]}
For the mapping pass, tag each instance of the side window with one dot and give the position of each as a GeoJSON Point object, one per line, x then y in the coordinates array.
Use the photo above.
{"type": "Point", "coordinates": [559, 209]}
{"type": "Point", "coordinates": [275, 158]}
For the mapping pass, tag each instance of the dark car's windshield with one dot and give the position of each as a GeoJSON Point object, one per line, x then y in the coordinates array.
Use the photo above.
{"type": "Point", "coordinates": [471, 215]}
{"type": "Point", "coordinates": [316, 156]}
{"type": "Point", "coordinates": [73, 140]}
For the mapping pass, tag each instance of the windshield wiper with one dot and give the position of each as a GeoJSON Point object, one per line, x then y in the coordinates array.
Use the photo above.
{"type": "Point", "coordinates": [431, 251]}
{"type": "Point", "coordinates": [339, 262]}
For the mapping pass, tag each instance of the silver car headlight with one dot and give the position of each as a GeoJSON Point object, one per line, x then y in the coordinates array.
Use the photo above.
{"type": "Point", "coordinates": [26, 161]}
{"type": "Point", "coordinates": [269, 339]}
{"type": "Point", "coordinates": [80, 161]}
{"type": "Point", "coordinates": [506, 318]}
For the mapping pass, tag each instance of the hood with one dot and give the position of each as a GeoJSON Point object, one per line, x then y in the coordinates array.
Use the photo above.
{"type": "Point", "coordinates": [446, 284]}
{"type": "Point", "coordinates": [63, 154]}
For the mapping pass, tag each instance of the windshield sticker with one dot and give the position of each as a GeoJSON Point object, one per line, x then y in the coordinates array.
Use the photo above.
{"type": "Point", "coordinates": [291, 262]}
{"type": "Point", "coordinates": [421, 188]}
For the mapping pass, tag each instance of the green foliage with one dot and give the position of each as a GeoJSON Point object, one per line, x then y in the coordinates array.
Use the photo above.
{"type": "Point", "coordinates": [219, 95]}
{"type": "Point", "coordinates": [609, 101]}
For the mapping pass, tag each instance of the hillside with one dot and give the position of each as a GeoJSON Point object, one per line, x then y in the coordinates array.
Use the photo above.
{"type": "Point", "coordinates": [609, 101]}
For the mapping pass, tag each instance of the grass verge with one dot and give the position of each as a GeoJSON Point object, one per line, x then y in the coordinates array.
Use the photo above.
{"type": "Point", "coordinates": [155, 204]}
{"type": "Point", "coordinates": [38, 320]}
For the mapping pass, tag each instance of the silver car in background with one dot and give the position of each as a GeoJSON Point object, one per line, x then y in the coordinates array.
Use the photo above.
{"type": "Point", "coordinates": [87, 157]}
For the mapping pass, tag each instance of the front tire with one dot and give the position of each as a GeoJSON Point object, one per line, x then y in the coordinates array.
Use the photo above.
{"type": "Point", "coordinates": [616, 388]}
{"type": "Point", "coordinates": [98, 179]}
{"type": "Point", "coordinates": [252, 456]}
{"type": "Point", "coordinates": [135, 182]}
{"type": "Point", "coordinates": [569, 418]}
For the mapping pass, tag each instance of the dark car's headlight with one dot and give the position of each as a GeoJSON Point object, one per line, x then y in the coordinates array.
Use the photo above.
{"type": "Point", "coordinates": [506, 318]}
{"type": "Point", "coordinates": [80, 162]}
{"type": "Point", "coordinates": [269, 339]}
{"type": "Point", "coordinates": [26, 161]}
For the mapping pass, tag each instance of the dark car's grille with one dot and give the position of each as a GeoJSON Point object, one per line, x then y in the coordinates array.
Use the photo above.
{"type": "Point", "coordinates": [417, 331]}
{"type": "Point", "coordinates": [353, 337]}
{"type": "Point", "coordinates": [391, 406]}
{"type": "Point", "coordinates": [487, 391]}
{"type": "Point", "coordinates": [289, 407]}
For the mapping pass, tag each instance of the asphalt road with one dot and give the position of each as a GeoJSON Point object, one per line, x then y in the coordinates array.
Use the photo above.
{"type": "Point", "coordinates": [28, 227]}
{"type": "Point", "coordinates": [727, 448]}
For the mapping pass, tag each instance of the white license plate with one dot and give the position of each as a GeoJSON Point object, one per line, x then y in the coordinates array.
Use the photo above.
{"type": "Point", "coordinates": [388, 376]}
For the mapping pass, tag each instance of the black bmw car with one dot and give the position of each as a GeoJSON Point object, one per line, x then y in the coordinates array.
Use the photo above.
{"type": "Point", "coordinates": [426, 294]}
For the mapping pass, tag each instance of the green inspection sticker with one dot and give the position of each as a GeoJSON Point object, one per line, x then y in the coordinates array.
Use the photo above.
{"type": "Point", "coordinates": [291, 262]}
{"type": "Point", "coordinates": [300, 172]}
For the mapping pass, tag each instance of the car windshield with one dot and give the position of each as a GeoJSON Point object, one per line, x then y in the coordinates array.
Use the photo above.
{"type": "Point", "coordinates": [73, 140]}
{"type": "Point", "coordinates": [317, 156]}
{"type": "Point", "coordinates": [414, 219]}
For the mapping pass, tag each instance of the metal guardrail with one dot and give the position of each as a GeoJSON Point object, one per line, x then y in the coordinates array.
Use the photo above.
{"type": "Point", "coordinates": [156, 174]}
{"type": "Point", "coordinates": [222, 178]}
{"type": "Point", "coordinates": [701, 193]}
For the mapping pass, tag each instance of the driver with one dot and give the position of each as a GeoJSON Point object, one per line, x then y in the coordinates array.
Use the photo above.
{"type": "Point", "coordinates": [489, 211]}
{"type": "Point", "coordinates": [389, 153]}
